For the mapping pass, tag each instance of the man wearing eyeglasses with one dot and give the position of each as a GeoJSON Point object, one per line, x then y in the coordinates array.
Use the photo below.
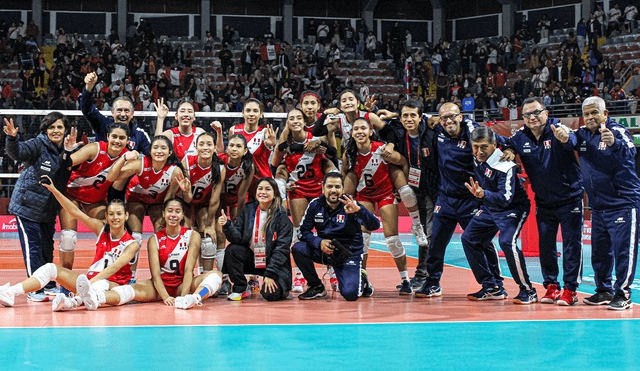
{"type": "Point", "coordinates": [547, 154]}
{"type": "Point", "coordinates": [454, 205]}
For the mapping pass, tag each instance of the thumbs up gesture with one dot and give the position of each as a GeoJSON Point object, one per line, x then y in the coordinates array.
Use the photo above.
{"type": "Point", "coordinates": [222, 220]}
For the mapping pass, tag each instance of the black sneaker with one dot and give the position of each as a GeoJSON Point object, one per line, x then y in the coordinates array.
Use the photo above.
{"type": "Point", "coordinates": [225, 288]}
{"type": "Point", "coordinates": [405, 288]}
{"type": "Point", "coordinates": [428, 291]}
{"type": "Point", "coordinates": [599, 298]}
{"type": "Point", "coordinates": [504, 292]}
{"type": "Point", "coordinates": [367, 287]}
{"type": "Point", "coordinates": [620, 302]}
{"type": "Point", "coordinates": [313, 292]}
{"type": "Point", "coordinates": [486, 294]}
{"type": "Point", "coordinates": [416, 283]}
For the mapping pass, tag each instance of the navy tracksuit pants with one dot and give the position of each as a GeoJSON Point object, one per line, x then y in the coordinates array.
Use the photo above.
{"type": "Point", "coordinates": [448, 212]}
{"type": "Point", "coordinates": [570, 217]}
{"type": "Point", "coordinates": [481, 230]}
{"type": "Point", "coordinates": [614, 239]}
{"type": "Point", "coordinates": [36, 240]}
{"type": "Point", "coordinates": [349, 278]}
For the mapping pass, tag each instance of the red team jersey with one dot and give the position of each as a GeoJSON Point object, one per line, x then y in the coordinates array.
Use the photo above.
{"type": "Point", "coordinates": [150, 187]}
{"type": "Point", "coordinates": [305, 170]}
{"type": "Point", "coordinates": [374, 183]}
{"type": "Point", "coordinates": [201, 180]}
{"type": "Point", "coordinates": [108, 251]}
{"type": "Point", "coordinates": [88, 184]}
{"type": "Point", "coordinates": [233, 178]}
{"type": "Point", "coordinates": [261, 153]}
{"type": "Point", "coordinates": [185, 145]}
{"type": "Point", "coordinates": [173, 257]}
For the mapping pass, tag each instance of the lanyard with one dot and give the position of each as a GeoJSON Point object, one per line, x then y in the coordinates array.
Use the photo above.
{"type": "Point", "coordinates": [409, 150]}
{"type": "Point", "coordinates": [257, 227]}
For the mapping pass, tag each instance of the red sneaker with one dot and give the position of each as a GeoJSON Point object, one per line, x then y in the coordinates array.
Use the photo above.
{"type": "Point", "coordinates": [568, 298]}
{"type": "Point", "coordinates": [551, 296]}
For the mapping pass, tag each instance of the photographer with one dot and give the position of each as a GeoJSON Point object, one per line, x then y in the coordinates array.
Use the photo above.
{"type": "Point", "coordinates": [337, 221]}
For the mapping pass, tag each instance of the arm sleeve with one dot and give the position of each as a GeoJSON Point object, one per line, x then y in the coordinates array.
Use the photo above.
{"type": "Point", "coordinates": [319, 128]}
{"type": "Point", "coordinates": [367, 219]}
{"type": "Point", "coordinates": [233, 231]}
{"type": "Point", "coordinates": [282, 247]}
{"type": "Point", "coordinates": [331, 151]}
{"type": "Point", "coordinates": [623, 147]}
{"type": "Point", "coordinates": [94, 117]}
{"type": "Point", "coordinates": [22, 152]}
{"type": "Point", "coordinates": [506, 189]}
{"type": "Point", "coordinates": [306, 226]}
{"type": "Point", "coordinates": [388, 134]}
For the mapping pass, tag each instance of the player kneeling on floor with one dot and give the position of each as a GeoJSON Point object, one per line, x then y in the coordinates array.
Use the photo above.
{"type": "Point", "coordinates": [337, 221]}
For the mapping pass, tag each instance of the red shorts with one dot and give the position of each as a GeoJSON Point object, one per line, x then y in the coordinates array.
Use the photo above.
{"type": "Point", "coordinates": [303, 193]}
{"type": "Point", "coordinates": [382, 200]}
{"type": "Point", "coordinates": [172, 287]}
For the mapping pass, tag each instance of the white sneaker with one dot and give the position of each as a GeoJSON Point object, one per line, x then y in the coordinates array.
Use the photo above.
{"type": "Point", "coordinates": [188, 301]}
{"type": "Point", "coordinates": [63, 303]}
{"type": "Point", "coordinates": [421, 237]}
{"type": "Point", "coordinates": [89, 297]}
{"type": "Point", "coordinates": [7, 298]}
{"type": "Point", "coordinates": [298, 284]}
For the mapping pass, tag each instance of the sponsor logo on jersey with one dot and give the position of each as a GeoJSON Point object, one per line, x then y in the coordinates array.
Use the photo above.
{"type": "Point", "coordinates": [488, 173]}
{"type": "Point", "coordinates": [602, 146]}
{"type": "Point", "coordinates": [340, 218]}
{"type": "Point", "coordinates": [319, 218]}
{"type": "Point", "coordinates": [478, 212]}
{"type": "Point", "coordinates": [512, 215]}
{"type": "Point", "coordinates": [619, 220]}
{"type": "Point", "coordinates": [547, 144]}
{"type": "Point", "coordinates": [576, 210]}
{"type": "Point", "coordinates": [350, 262]}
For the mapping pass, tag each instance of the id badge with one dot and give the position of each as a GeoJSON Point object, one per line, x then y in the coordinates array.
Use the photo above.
{"type": "Point", "coordinates": [260, 257]}
{"type": "Point", "coordinates": [414, 176]}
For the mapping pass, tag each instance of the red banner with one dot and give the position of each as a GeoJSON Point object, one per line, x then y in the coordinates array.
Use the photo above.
{"type": "Point", "coordinates": [9, 224]}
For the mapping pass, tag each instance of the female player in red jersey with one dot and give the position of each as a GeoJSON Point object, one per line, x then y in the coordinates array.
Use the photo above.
{"type": "Point", "coordinates": [173, 253]}
{"type": "Point", "coordinates": [155, 180]}
{"type": "Point", "coordinates": [260, 141]}
{"type": "Point", "coordinates": [88, 185]}
{"type": "Point", "coordinates": [303, 168]}
{"type": "Point", "coordinates": [183, 135]}
{"type": "Point", "coordinates": [116, 250]}
{"type": "Point", "coordinates": [369, 178]}
{"type": "Point", "coordinates": [205, 174]}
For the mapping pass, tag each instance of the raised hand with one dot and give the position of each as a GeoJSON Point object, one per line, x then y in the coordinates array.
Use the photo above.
{"type": "Point", "coordinates": [90, 80]}
{"type": "Point", "coordinates": [217, 126]}
{"type": "Point", "coordinates": [161, 109]}
{"type": "Point", "coordinates": [70, 140]}
{"type": "Point", "coordinates": [370, 103]}
{"type": "Point", "coordinates": [9, 129]}
{"type": "Point", "coordinates": [474, 188]}
{"type": "Point", "coordinates": [560, 133]}
{"type": "Point", "coordinates": [222, 220]}
{"type": "Point", "coordinates": [270, 136]}
{"type": "Point", "coordinates": [184, 184]}
{"type": "Point", "coordinates": [350, 205]}
{"type": "Point", "coordinates": [607, 136]}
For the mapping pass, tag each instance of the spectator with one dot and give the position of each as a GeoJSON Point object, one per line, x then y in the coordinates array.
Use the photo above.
{"type": "Point", "coordinates": [544, 24]}
{"type": "Point", "coordinates": [312, 32]}
{"type": "Point", "coordinates": [33, 29]}
{"type": "Point", "coordinates": [323, 32]}
{"type": "Point", "coordinates": [468, 103]}
{"type": "Point", "coordinates": [630, 13]}
{"type": "Point", "coordinates": [614, 19]}
{"type": "Point", "coordinates": [371, 46]}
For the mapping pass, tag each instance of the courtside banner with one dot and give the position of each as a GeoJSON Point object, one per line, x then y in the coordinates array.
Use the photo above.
{"type": "Point", "coordinates": [9, 224]}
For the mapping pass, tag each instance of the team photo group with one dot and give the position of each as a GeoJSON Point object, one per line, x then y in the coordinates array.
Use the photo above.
{"type": "Point", "coordinates": [289, 209]}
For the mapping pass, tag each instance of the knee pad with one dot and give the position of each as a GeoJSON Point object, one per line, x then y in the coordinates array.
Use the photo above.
{"type": "Point", "coordinates": [126, 293]}
{"type": "Point", "coordinates": [100, 286]}
{"type": "Point", "coordinates": [220, 258]}
{"type": "Point", "coordinates": [212, 282]}
{"type": "Point", "coordinates": [138, 237]}
{"type": "Point", "coordinates": [296, 232]}
{"type": "Point", "coordinates": [45, 274]}
{"type": "Point", "coordinates": [207, 248]}
{"type": "Point", "coordinates": [68, 240]}
{"type": "Point", "coordinates": [407, 196]}
{"type": "Point", "coordinates": [282, 186]}
{"type": "Point", "coordinates": [366, 239]}
{"type": "Point", "coordinates": [395, 246]}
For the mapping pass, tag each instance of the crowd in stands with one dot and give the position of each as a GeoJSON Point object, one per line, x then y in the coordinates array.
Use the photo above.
{"type": "Point", "coordinates": [476, 75]}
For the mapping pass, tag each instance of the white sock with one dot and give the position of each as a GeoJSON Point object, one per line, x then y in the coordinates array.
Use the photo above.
{"type": "Point", "coordinates": [225, 277]}
{"type": "Point", "coordinates": [17, 289]}
{"type": "Point", "coordinates": [201, 270]}
{"type": "Point", "coordinates": [298, 272]}
{"type": "Point", "coordinates": [415, 217]}
{"type": "Point", "coordinates": [102, 298]}
{"type": "Point", "coordinates": [332, 273]}
{"type": "Point", "coordinates": [404, 276]}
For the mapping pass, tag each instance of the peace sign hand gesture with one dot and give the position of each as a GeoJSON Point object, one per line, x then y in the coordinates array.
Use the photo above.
{"type": "Point", "coordinates": [370, 103]}
{"type": "Point", "coordinates": [161, 109]}
{"type": "Point", "coordinates": [270, 136]}
{"type": "Point", "coordinates": [9, 129]}
{"type": "Point", "coordinates": [474, 188]}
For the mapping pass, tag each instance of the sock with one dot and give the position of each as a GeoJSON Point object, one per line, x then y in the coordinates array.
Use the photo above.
{"type": "Point", "coordinates": [415, 217]}
{"type": "Point", "coordinates": [225, 277]}
{"type": "Point", "coordinates": [298, 272]}
{"type": "Point", "coordinates": [404, 276]}
{"type": "Point", "coordinates": [203, 292]}
{"type": "Point", "coordinates": [332, 273]}
{"type": "Point", "coordinates": [101, 298]}
{"type": "Point", "coordinates": [17, 289]}
{"type": "Point", "coordinates": [200, 270]}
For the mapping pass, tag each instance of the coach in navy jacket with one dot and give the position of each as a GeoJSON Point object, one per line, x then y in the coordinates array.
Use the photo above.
{"type": "Point", "coordinates": [607, 163]}
{"type": "Point", "coordinates": [333, 221]}
{"type": "Point", "coordinates": [553, 170]}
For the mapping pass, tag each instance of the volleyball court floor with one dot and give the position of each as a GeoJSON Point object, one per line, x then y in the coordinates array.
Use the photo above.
{"type": "Point", "coordinates": [383, 332]}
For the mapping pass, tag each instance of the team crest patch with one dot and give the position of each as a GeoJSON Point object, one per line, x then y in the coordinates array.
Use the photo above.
{"type": "Point", "coordinates": [340, 218]}
{"type": "Point", "coordinates": [488, 173]}
{"type": "Point", "coordinates": [425, 152]}
{"type": "Point", "coordinates": [602, 146]}
{"type": "Point", "coordinates": [436, 209]}
{"type": "Point", "coordinates": [462, 144]}
{"type": "Point", "coordinates": [132, 144]}
{"type": "Point", "coordinates": [547, 144]}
